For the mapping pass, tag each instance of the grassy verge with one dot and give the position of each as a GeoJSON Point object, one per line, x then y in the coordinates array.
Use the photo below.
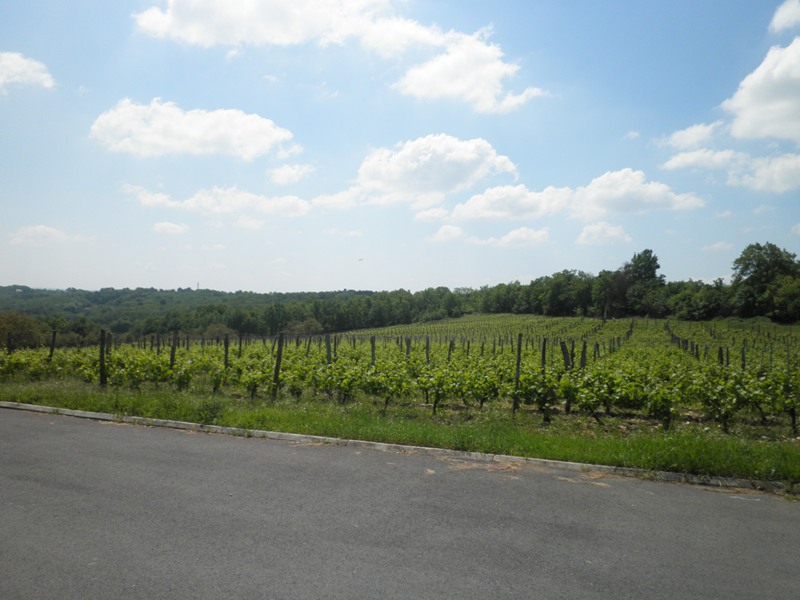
{"type": "Point", "coordinates": [687, 448]}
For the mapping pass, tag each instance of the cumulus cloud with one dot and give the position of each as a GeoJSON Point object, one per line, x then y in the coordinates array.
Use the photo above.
{"type": "Point", "coordinates": [224, 201]}
{"type": "Point", "coordinates": [471, 70]}
{"type": "Point", "coordinates": [513, 202]}
{"type": "Point", "coordinates": [447, 233]}
{"type": "Point", "coordinates": [786, 16]}
{"type": "Point", "coordinates": [602, 233]}
{"type": "Point", "coordinates": [392, 37]}
{"type": "Point", "coordinates": [623, 191]}
{"type": "Point", "coordinates": [16, 69]}
{"type": "Point", "coordinates": [523, 236]}
{"type": "Point", "coordinates": [777, 174]}
{"type": "Point", "coordinates": [463, 67]}
{"type": "Point", "coordinates": [44, 235]}
{"type": "Point", "coordinates": [704, 158]}
{"type": "Point", "coordinates": [425, 170]}
{"type": "Point", "coordinates": [168, 228]}
{"type": "Point", "coordinates": [627, 191]}
{"type": "Point", "coordinates": [796, 229]}
{"type": "Point", "coordinates": [696, 135]}
{"type": "Point", "coordinates": [271, 22]}
{"type": "Point", "coordinates": [161, 128]}
{"type": "Point", "coordinates": [767, 103]}
{"type": "Point", "coordinates": [288, 174]}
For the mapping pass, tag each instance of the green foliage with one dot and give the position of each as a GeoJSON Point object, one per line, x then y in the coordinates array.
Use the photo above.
{"type": "Point", "coordinates": [765, 283]}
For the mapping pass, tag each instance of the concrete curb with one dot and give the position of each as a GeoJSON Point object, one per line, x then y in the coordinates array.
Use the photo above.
{"type": "Point", "coordinates": [721, 482]}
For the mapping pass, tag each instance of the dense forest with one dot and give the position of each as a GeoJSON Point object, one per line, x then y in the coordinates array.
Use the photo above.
{"type": "Point", "coordinates": [765, 282]}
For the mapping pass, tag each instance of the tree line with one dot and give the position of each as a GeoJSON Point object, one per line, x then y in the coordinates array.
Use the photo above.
{"type": "Point", "coordinates": [765, 282]}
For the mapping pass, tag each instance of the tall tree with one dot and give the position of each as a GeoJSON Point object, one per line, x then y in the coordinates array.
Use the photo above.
{"type": "Point", "coordinates": [644, 285]}
{"type": "Point", "coordinates": [758, 275]}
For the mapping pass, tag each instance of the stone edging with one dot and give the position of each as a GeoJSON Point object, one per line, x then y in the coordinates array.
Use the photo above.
{"type": "Point", "coordinates": [723, 482]}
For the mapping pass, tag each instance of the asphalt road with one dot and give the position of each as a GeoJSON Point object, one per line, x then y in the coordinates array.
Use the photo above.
{"type": "Point", "coordinates": [97, 510]}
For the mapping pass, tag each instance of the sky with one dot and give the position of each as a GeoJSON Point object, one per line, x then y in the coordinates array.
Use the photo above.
{"type": "Point", "coordinates": [321, 145]}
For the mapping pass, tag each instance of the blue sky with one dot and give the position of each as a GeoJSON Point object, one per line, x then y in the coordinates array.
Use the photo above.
{"type": "Point", "coordinates": [386, 144]}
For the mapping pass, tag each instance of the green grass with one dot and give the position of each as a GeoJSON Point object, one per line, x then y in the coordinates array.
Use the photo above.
{"type": "Point", "coordinates": [688, 447]}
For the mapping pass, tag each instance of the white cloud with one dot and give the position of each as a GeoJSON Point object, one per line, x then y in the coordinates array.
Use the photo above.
{"type": "Point", "coordinates": [624, 191]}
{"type": "Point", "coordinates": [466, 68]}
{"type": "Point", "coordinates": [513, 202]}
{"type": "Point", "coordinates": [632, 135]}
{"type": "Point", "coordinates": [44, 235]}
{"type": "Point", "coordinates": [292, 150]}
{"type": "Point", "coordinates": [288, 174]}
{"type": "Point", "coordinates": [18, 69]}
{"type": "Point", "coordinates": [627, 191]}
{"type": "Point", "coordinates": [776, 174]}
{"type": "Point", "coordinates": [425, 170]}
{"type": "Point", "coordinates": [471, 70]}
{"type": "Point", "coordinates": [693, 136]}
{"type": "Point", "coordinates": [268, 22]}
{"type": "Point", "coordinates": [786, 16]}
{"type": "Point", "coordinates": [523, 236]}
{"type": "Point", "coordinates": [602, 233]}
{"type": "Point", "coordinates": [796, 229]}
{"type": "Point", "coordinates": [703, 159]}
{"type": "Point", "coordinates": [725, 214]}
{"type": "Point", "coordinates": [168, 228]}
{"type": "Point", "coordinates": [224, 201]}
{"type": "Point", "coordinates": [718, 247]}
{"type": "Point", "coordinates": [447, 233]}
{"type": "Point", "coordinates": [767, 103]}
{"type": "Point", "coordinates": [163, 128]}
{"type": "Point", "coordinates": [393, 37]}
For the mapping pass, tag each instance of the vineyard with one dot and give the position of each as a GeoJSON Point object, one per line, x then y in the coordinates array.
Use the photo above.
{"type": "Point", "coordinates": [656, 370]}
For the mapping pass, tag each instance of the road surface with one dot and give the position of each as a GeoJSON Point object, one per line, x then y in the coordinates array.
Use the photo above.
{"type": "Point", "coordinates": [101, 510]}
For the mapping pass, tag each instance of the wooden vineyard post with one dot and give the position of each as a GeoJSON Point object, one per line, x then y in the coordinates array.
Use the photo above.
{"type": "Point", "coordinates": [515, 406]}
{"type": "Point", "coordinates": [372, 349]}
{"type": "Point", "coordinates": [328, 348]}
{"type": "Point", "coordinates": [103, 374]}
{"type": "Point", "coordinates": [566, 355]}
{"type": "Point", "coordinates": [583, 355]}
{"type": "Point", "coordinates": [276, 375]}
{"type": "Point", "coordinates": [544, 354]}
{"type": "Point", "coordinates": [173, 349]}
{"type": "Point", "coordinates": [52, 346]}
{"type": "Point", "coordinates": [227, 344]}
